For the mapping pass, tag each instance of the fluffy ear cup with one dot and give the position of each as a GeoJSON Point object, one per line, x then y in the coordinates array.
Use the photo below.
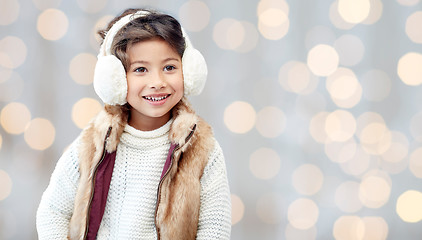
{"type": "Point", "coordinates": [194, 69]}
{"type": "Point", "coordinates": [110, 81]}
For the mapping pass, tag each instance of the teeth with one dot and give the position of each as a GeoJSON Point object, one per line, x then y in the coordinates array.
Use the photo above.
{"type": "Point", "coordinates": [155, 99]}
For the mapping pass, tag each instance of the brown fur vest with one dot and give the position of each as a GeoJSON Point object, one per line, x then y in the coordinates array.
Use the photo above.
{"type": "Point", "coordinates": [179, 195]}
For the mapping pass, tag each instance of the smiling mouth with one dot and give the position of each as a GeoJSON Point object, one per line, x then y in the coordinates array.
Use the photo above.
{"type": "Point", "coordinates": [156, 99]}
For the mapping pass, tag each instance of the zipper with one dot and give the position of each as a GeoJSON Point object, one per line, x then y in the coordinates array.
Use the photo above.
{"type": "Point", "coordinates": [93, 182]}
{"type": "Point", "coordinates": [165, 175]}
{"type": "Point", "coordinates": [159, 189]}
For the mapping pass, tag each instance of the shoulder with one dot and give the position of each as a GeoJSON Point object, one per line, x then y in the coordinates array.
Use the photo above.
{"type": "Point", "coordinates": [216, 165]}
{"type": "Point", "coordinates": [216, 154]}
{"type": "Point", "coordinates": [68, 163]}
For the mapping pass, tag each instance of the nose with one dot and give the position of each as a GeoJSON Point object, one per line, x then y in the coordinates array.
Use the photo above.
{"type": "Point", "coordinates": [158, 81]}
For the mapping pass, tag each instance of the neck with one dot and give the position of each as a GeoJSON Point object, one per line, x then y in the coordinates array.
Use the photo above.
{"type": "Point", "coordinates": [144, 123]}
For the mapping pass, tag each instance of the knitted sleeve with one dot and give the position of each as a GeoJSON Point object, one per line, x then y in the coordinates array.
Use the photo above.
{"type": "Point", "coordinates": [215, 211]}
{"type": "Point", "coordinates": [56, 206]}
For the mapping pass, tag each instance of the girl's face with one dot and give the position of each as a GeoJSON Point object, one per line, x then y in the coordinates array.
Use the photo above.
{"type": "Point", "coordinates": [155, 83]}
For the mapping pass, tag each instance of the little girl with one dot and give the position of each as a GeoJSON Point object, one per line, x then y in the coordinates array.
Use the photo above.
{"type": "Point", "coordinates": [146, 167]}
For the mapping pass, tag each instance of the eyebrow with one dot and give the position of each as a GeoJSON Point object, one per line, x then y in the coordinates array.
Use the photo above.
{"type": "Point", "coordinates": [146, 62]}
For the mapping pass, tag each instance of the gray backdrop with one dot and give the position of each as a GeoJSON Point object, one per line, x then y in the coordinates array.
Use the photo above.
{"type": "Point", "coordinates": [315, 104]}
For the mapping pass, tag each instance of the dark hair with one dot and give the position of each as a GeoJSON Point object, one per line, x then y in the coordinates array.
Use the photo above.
{"type": "Point", "coordinates": [153, 25]}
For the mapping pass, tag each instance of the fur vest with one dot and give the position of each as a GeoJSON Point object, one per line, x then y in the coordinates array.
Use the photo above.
{"type": "Point", "coordinates": [178, 196]}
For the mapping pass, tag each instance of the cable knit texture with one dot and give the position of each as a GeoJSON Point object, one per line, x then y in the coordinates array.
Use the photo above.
{"type": "Point", "coordinates": [131, 201]}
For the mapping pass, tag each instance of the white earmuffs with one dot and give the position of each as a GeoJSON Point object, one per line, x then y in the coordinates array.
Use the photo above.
{"type": "Point", "coordinates": [110, 82]}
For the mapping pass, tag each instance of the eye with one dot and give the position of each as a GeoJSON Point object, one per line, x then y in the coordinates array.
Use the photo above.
{"type": "Point", "coordinates": [169, 68]}
{"type": "Point", "coordinates": [140, 70]}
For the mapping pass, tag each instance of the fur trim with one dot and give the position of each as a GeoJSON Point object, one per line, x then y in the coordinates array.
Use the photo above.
{"type": "Point", "coordinates": [178, 210]}
{"type": "Point", "coordinates": [91, 150]}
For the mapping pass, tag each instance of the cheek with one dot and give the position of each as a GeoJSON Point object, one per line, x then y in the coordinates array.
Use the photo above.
{"type": "Point", "coordinates": [181, 83]}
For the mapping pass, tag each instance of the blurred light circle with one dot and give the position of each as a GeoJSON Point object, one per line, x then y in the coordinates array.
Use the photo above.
{"type": "Point", "coordinates": [416, 127]}
{"type": "Point", "coordinates": [372, 133]}
{"type": "Point", "coordinates": [349, 228]}
{"type": "Point", "coordinates": [413, 27]}
{"type": "Point", "coordinates": [307, 179]}
{"type": "Point", "coordinates": [45, 4]}
{"type": "Point", "coordinates": [374, 192]}
{"type": "Point", "coordinates": [251, 38]}
{"type": "Point", "coordinates": [40, 134]}
{"type": "Point", "coordinates": [194, 15]}
{"type": "Point", "coordinates": [317, 127]}
{"type": "Point", "coordinates": [9, 11]}
{"type": "Point", "coordinates": [264, 163]}
{"type": "Point", "coordinates": [270, 122]}
{"type": "Point", "coordinates": [408, 2]}
{"type": "Point", "coordinates": [264, 5]}
{"type": "Point", "coordinates": [303, 213]}
{"type": "Point", "coordinates": [272, 17]}
{"type": "Point", "coordinates": [84, 110]}
{"type": "Point", "coordinates": [336, 19]}
{"type": "Point", "coordinates": [415, 163]}
{"type": "Point", "coordinates": [269, 208]}
{"type": "Point", "coordinates": [379, 174]}
{"type": "Point", "coordinates": [398, 150]}
{"type": "Point", "coordinates": [341, 151]}
{"type": "Point", "coordinates": [92, 6]}
{"type": "Point", "coordinates": [293, 233]}
{"type": "Point", "coordinates": [5, 186]}
{"type": "Point", "coordinates": [376, 85]}
{"type": "Point", "coordinates": [375, 138]}
{"type": "Point", "coordinates": [375, 12]}
{"type": "Point", "coordinates": [323, 60]}
{"type": "Point", "coordinates": [273, 23]}
{"type": "Point", "coordinates": [354, 11]}
{"type": "Point", "coordinates": [409, 207]}
{"type": "Point", "coordinates": [376, 228]}
{"type": "Point", "coordinates": [12, 88]}
{"type": "Point", "coordinates": [81, 68]}
{"type": "Point", "coordinates": [367, 118]}
{"type": "Point", "coordinates": [346, 197]}
{"type": "Point", "coordinates": [239, 117]}
{"type": "Point", "coordinates": [296, 77]}
{"type": "Point", "coordinates": [14, 117]}
{"type": "Point", "coordinates": [52, 24]}
{"type": "Point", "coordinates": [319, 35]}
{"type": "Point", "coordinates": [409, 68]}
{"type": "Point", "coordinates": [238, 209]}
{"type": "Point", "coordinates": [344, 88]}
{"type": "Point", "coordinates": [340, 126]}
{"type": "Point", "coordinates": [358, 164]}
{"type": "Point", "coordinates": [13, 52]}
{"type": "Point", "coordinates": [229, 34]}
{"type": "Point", "coordinates": [350, 49]}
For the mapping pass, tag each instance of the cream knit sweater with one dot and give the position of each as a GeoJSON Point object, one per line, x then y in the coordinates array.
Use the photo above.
{"type": "Point", "coordinates": [130, 208]}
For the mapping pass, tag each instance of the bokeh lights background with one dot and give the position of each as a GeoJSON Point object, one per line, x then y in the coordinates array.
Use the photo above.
{"type": "Point", "coordinates": [316, 104]}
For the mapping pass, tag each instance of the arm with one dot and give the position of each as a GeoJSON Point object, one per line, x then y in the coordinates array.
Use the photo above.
{"type": "Point", "coordinates": [56, 206]}
{"type": "Point", "coordinates": [215, 210]}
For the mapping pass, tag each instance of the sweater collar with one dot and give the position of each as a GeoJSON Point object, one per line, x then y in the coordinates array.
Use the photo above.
{"type": "Point", "coordinates": [184, 121]}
